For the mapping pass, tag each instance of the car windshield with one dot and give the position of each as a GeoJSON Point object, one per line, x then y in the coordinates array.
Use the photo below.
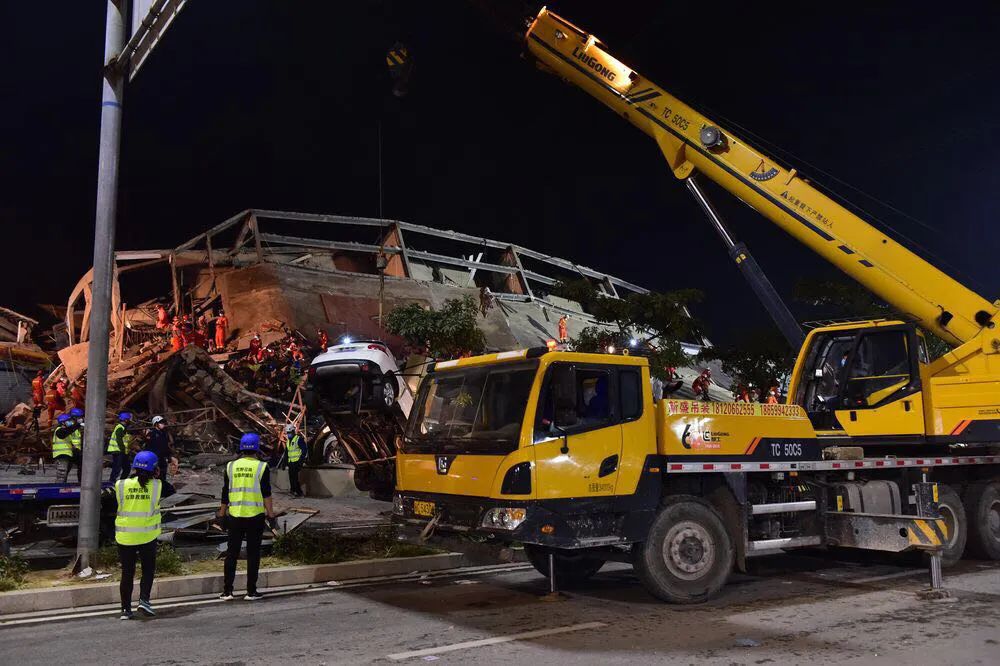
{"type": "Point", "coordinates": [475, 405]}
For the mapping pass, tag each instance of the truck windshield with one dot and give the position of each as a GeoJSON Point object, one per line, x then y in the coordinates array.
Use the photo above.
{"type": "Point", "coordinates": [474, 410]}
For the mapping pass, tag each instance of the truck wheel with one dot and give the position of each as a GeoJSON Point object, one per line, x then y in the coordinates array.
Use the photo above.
{"type": "Point", "coordinates": [389, 391]}
{"type": "Point", "coordinates": [571, 569]}
{"type": "Point", "coordinates": [953, 512]}
{"type": "Point", "coordinates": [982, 506]}
{"type": "Point", "coordinates": [687, 555]}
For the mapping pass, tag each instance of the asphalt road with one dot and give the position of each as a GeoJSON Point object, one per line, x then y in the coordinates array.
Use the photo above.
{"type": "Point", "coordinates": [792, 610]}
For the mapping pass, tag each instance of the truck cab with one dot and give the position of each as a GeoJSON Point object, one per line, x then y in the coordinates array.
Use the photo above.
{"type": "Point", "coordinates": [542, 447]}
{"type": "Point", "coordinates": [863, 379]}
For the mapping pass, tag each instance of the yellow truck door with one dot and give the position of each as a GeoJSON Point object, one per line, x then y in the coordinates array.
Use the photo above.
{"type": "Point", "coordinates": [578, 433]}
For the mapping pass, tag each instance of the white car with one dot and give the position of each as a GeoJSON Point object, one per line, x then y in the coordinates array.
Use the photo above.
{"type": "Point", "coordinates": [359, 376]}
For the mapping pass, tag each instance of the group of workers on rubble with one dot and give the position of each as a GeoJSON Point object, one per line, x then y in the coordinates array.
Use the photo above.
{"type": "Point", "coordinates": [184, 330]}
{"type": "Point", "coordinates": [245, 503]}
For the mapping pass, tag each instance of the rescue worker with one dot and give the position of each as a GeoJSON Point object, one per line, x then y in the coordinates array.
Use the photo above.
{"type": "Point", "coordinates": [772, 395]}
{"type": "Point", "coordinates": [119, 446]}
{"type": "Point", "coordinates": [76, 437]}
{"type": "Point", "coordinates": [221, 330]}
{"type": "Point", "coordinates": [701, 383]}
{"type": "Point", "coordinates": [136, 527]}
{"type": "Point", "coordinates": [78, 393]}
{"type": "Point", "coordinates": [62, 447]}
{"type": "Point", "coordinates": [162, 318]}
{"type": "Point", "coordinates": [176, 343]}
{"type": "Point", "coordinates": [159, 442]}
{"type": "Point", "coordinates": [563, 329]}
{"type": "Point", "coordinates": [295, 448]}
{"type": "Point", "coordinates": [324, 340]}
{"type": "Point", "coordinates": [255, 347]}
{"type": "Point", "coordinates": [38, 388]}
{"type": "Point", "coordinates": [246, 504]}
{"type": "Point", "coordinates": [53, 403]}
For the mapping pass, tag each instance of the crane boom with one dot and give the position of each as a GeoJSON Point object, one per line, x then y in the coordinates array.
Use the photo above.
{"type": "Point", "coordinates": [693, 143]}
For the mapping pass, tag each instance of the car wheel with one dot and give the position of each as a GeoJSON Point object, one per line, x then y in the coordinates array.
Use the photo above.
{"type": "Point", "coordinates": [389, 390]}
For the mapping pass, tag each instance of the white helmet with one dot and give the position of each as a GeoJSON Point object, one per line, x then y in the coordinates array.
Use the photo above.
{"type": "Point", "coordinates": [290, 428]}
{"type": "Point", "coordinates": [157, 419]}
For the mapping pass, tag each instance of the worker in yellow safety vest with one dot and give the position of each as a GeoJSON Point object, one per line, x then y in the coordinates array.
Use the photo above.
{"type": "Point", "coordinates": [136, 527]}
{"type": "Point", "coordinates": [295, 450]}
{"type": "Point", "coordinates": [76, 438]}
{"type": "Point", "coordinates": [246, 504]}
{"type": "Point", "coordinates": [119, 446]}
{"type": "Point", "coordinates": [62, 446]}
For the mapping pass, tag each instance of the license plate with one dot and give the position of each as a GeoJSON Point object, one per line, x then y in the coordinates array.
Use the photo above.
{"type": "Point", "coordinates": [424, 509]}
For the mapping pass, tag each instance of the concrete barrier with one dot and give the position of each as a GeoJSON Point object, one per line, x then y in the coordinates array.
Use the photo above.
{"type": "Point", "coordinates": [96, 594]}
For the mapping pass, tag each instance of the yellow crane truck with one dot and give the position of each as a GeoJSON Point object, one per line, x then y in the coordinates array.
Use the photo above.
{"type": "Point", "coordinates": [878, 447]}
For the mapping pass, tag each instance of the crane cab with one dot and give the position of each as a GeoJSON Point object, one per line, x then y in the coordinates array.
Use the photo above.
{"type": "Point", "coordinates": [863, 379]}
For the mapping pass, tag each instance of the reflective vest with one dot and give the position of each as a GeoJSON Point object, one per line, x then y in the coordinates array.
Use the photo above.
{"type": "Point", "coordinates": [138, 519]}
{"type": "Point", "coordinates": [76, 439]}
{"type": "Point", "coordinates": [295, 449]}
{"type": "Point", "coordinates": [62, 447]}
{"type": "Point", "coordinates": [113, 442]}
{"type": "Point", "coordinates": [245, 499]}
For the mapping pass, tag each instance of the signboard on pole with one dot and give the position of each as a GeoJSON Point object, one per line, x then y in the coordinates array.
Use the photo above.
{"type": "Point", "coordinates": [150, 19]}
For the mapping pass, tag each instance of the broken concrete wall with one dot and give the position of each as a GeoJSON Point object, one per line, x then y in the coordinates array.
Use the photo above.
{"type": "Point", "coordinates": [306, 300]}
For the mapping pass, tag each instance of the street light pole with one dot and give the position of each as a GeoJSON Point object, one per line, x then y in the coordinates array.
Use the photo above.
{"type": "Point", "coordinates": [100, 312]}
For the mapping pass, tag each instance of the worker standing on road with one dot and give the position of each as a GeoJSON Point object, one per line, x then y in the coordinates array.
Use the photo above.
{"type": "Point", "coordinates": [246, 504]}
{"type": "Point", "coordinates": [295, 448]}
{"type": "Point", "coordinates": [76, 437]}
{"type": "Point", "coordinates": [159, 441]}
{"type": "Point", "coordinates": [136, 527]}
{"type": "Point", "coordinates": [62, 447]}
{"type": "Point", "coordinates": [221, 330]}
{"type": "Point", "coordinates": [119, 445]}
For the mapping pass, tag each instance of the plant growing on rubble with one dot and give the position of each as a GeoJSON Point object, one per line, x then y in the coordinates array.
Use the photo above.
{"type": "Point", "coordinates": [447, 332]}
{"type": "Point", "coordinates": [658, 322]}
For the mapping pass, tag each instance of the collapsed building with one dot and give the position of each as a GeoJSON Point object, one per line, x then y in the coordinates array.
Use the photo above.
{"type": "Point", "coordinates": [326, 273]}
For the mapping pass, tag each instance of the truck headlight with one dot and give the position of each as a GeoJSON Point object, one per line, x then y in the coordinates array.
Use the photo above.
{"type": "Point", "coordinates": [397, 504]}
{"type": "Point", "coordinates": [504, 518]}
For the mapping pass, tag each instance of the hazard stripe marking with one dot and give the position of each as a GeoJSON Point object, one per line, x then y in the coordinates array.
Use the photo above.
{"type": "Point", "coordinates": [928, 534]}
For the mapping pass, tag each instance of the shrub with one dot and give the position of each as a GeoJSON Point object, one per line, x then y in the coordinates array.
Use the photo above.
{"type": "Point", "coordinates": [12, 571]}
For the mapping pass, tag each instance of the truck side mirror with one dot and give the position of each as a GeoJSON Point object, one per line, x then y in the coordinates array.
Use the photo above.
{"type": "Point", "coordinates": [564, 449]}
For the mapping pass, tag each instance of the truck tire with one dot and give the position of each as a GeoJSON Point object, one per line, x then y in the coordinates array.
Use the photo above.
{"type": "Point", "coordinates": [687, 555]}
{"type": "Point", "coordinates": [982, 507]}
{"type": "Point", "coordinates": [953, 511]}
{"type": "Point", "coordinates": [571, 569]}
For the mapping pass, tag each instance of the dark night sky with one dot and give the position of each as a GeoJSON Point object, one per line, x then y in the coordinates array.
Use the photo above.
{"type": "Point", "coordinates": [251, 103]}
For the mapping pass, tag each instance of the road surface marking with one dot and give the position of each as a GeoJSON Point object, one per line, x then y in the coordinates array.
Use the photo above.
{"type": "Point", "coordinates": [330, 586]}
{"type": "Point", "coordinates": [538, 633]}
{"type": "Point", "coordinates": [898, 574]}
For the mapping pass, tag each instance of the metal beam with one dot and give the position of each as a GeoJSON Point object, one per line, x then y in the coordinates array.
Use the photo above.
{"type": "Point", "coordinates": [217, 229]}
{"type": "Point", "coordinates": [347, 246]}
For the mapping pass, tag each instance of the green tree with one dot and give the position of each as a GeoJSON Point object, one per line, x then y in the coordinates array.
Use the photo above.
{"type": "Point", "coordinates": [761, 358]}
{"type": "Point", "coordinates": [848, 299]}
{"type": "Point", "coordinates": [659, 322]}
{"type": "Point", "coordinates": [448, 332]}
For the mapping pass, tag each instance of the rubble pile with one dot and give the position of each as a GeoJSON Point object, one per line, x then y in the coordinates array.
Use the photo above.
{"type": "Point", "coordinates": [209, 398]}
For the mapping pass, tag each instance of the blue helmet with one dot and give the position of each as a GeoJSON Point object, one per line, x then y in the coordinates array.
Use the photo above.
{"type": "Point", "coordinates": [145, 460]}
{"type": "Point", "coordinates": [63, 418]}
{"type": "Point", "coordinates": [250, 442]}
{"type": "Point", "coordinates": [76, 413]}
{"type": "Point", "coordinates": [124, 416]}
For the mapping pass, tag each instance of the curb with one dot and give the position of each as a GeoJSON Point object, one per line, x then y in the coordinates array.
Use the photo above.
{"type": "Point", "coordinates": [96, 594]}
